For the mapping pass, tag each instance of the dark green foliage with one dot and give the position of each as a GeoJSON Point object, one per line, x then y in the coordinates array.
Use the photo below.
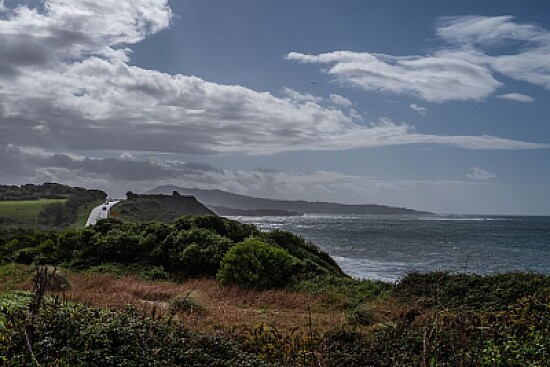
{"type": "Point", "coordinates": [238, 232]}
{"type": "Point", "coordinates": [202, 251]}
{"type": "Point", "coordinates": [191, 247]}
{"type": "Point", "coordinates": [185, 303]}
{"type": "Point", "coordinates": [520, 336]}
{"type": "Point", "coordinates": [361, 315]}
{"type": "Point", "coordinates": [55, 215]}
{"type": "Point", "coordinates": [235, 231]}
{"type": "Point", "coordinates": [79, 336]}
{"type": "Point", "coordinates": [313, 260]}
{"type": "Point", "coordinates": [489, 292]}
{"type": "Point", "coordinates": [142, 271]}
{"type": "Point", "coordinates": [255, 264]}
{"type": "Point", "coordinates": [343, 291]}
{"type": "Point", "coordinates": [211, 222]}
{"type": "Point", "coordinates": [48, 191]}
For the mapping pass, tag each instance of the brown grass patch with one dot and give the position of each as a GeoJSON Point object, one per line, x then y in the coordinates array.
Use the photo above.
{"type": "Point", "coordinates": [224, 307]}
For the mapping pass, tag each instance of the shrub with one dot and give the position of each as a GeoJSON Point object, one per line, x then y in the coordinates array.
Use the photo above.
{"type": "Point", "coordinates": [473, 291]}
{"type": "Point", "coordinates": [185, 303]}
{"type": "Point", "coordinates": [255, 264]}
{"type": "Point", "coordinates": [57, 280]}
{"type": "Point", "coordinates": [211, 222]}
{"type": "Point", "coordinates": [362, 315]}
{"type": "Point", "coordinates": [67, 335]}
{"type": "Point", "coordinates": [198, 252]}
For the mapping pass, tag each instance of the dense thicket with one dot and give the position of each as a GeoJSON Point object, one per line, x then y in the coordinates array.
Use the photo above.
{"type": "Point", "coordinates": [192, 246]}
{"type": "Point", "coordinates": [72, 335]}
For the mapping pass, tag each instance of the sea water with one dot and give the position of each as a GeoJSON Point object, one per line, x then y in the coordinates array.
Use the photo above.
{"type": "Point", "coordinates": [386, 247]}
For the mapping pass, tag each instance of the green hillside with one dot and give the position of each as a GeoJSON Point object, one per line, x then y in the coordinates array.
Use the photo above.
{"type": "Point", "coordinates": [25, 209]}
{"type": "Point", "coordinates": [49, 205]}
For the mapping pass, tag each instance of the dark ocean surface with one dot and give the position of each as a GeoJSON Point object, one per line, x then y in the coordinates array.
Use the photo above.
{"type": "Point", "coordinates": [388, 247]}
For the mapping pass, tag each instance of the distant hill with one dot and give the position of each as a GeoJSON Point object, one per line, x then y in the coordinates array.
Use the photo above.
{"type": "Point", "coordinates": [218, 198]}
{"type": "Point", "coordinates": [158, 207]}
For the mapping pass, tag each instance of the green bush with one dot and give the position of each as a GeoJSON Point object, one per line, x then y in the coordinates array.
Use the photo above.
{"type": "Point", "coordinates": [191, 247]}
{"type": "Point", "coordinates": [185, 303]}
{"type": "Point", "coordinates": [67, 335]}
{"type": "Point", "coordinates": [198, 252]}
{"type": "Point", "coordinates": [472, 291]}
{"type": "Point", "coordinates": [343, 291]}
{"type": "Point", "coordinates": [362, 315]}
{"type": "Point", "coordinates": [255, 264]}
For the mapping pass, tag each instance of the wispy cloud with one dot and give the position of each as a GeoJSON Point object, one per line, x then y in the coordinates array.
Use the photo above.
{"type": "Point", "coordinates": [338, 100]}
{"type": "Point", "coordinates": [421, 110]}
{"type": "Point", "coordinates": [517, 97]}
{"type": "Point", "coordinates": [298, 97]}
{"type": "Point", "coordinates": [480, 174]}
{"type": "Point", "coordinates": [433, 78]}
{"type": "Point", "coordinates": [461, 70]}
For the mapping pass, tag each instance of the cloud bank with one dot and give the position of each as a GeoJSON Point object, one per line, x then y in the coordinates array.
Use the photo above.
{"type": "Point", "coordinates": [116, 175]}
{"type": "Point", "coordinates": [67, 83]}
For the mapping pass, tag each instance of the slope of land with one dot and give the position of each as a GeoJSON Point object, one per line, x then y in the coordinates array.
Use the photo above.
{"type": "Point", "coordinates": [25, 208]}
{"type": "Point", "coordinates": [217, 198]}
{"type": "Point", "coordinates": [159, 207]}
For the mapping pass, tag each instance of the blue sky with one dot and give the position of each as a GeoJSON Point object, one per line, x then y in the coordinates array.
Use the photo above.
{"type": "Point", "coordinates": [441, 107]}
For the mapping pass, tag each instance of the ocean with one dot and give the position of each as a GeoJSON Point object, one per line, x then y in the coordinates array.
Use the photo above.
{"type": "Point", "coordinates": [387, 247]}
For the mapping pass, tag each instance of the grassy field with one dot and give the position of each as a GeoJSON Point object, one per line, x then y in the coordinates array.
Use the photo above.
{"type": "Point", "coordinates": [25, 209]}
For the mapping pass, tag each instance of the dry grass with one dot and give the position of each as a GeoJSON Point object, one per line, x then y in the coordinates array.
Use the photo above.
{"type": "Point", "coordinates": [224, 307]}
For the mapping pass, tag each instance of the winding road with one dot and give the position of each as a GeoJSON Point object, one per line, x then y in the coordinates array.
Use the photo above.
{"type": "Point", "coordinates": [100, 212]}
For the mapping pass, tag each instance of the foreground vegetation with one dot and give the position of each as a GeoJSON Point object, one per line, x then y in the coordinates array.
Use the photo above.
{"type": "Point", "coordinates": [206, 291]}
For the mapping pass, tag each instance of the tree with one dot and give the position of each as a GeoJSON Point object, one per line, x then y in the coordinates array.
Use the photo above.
{"type": "Point", "coordinates": [256, 264]}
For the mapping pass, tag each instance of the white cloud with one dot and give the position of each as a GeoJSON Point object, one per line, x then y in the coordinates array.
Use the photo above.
{"type": "Point", "coordinates": [421, 110]}
{"type": "Point", "coordinates": [485, 30]}
{"type": "Point", "coordinates": [68, 85]}
{"type": "Point", "coordinates": [462, 71]}
{"type": "Point", "coordinates": [338, 100]}
{"type": "Point", "coordinates": [528, 62]}
{"type": "Point", "coordinates": [298, 97]}
{"type": "Point", "coordinates": [517, 97]}
{"type": "Point", "coordinates": [480, 174]}
{"type": "Point", "coordinates": [433, 78]}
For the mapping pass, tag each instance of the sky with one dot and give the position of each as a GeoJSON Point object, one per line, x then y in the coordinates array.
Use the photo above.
{"type": "Point", "coordinates": [432, 105]}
